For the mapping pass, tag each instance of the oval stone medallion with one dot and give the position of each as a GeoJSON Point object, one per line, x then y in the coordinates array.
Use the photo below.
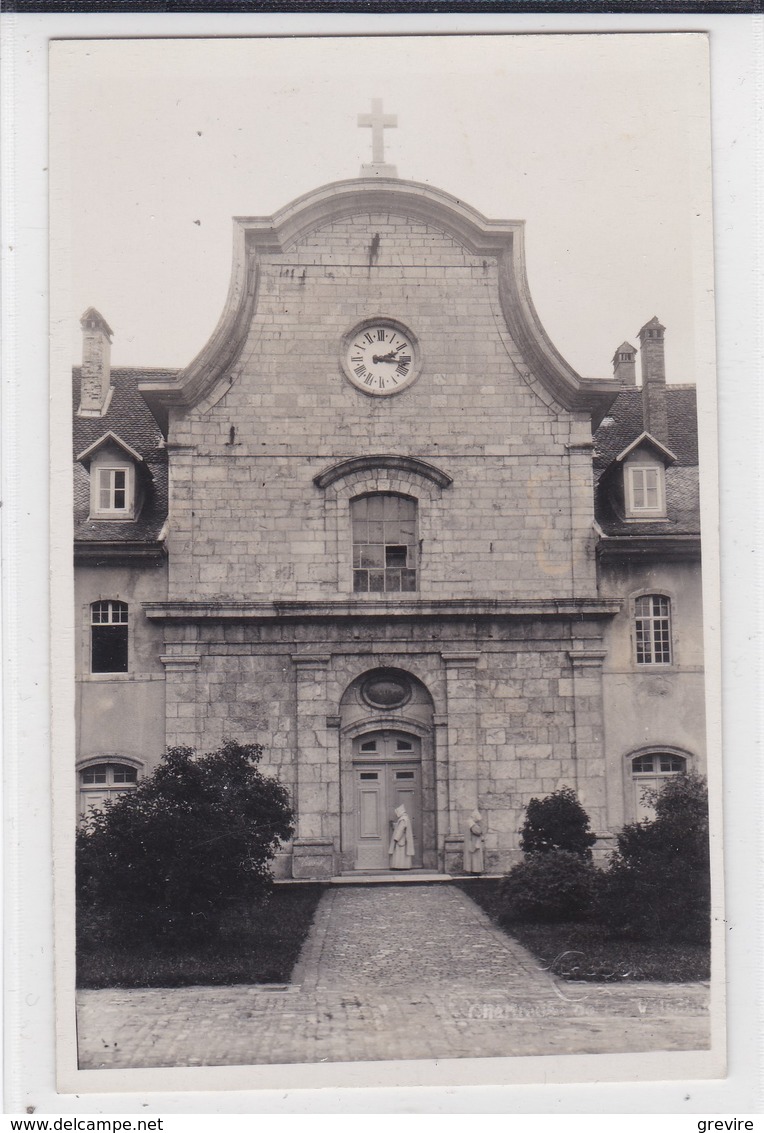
{"type": "Point", "coordinates": [386, 691]}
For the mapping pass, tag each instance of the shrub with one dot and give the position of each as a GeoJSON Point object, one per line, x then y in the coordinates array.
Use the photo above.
{"type": "Point", "coordinates": [557, 822]}
{"type": "Point", "coordinates": [657, 885]}
{"type": "Point", "coordinates": [553, 886]}
{"type": "Point", "coordinates": [166, 859]}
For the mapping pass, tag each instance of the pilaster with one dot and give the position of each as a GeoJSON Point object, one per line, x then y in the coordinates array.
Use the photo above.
{"type": "Point", "coordinates": [317, 804]}
{"type": "Point", "coordinates": [588, 712]}
{"type": "Point", "coordinates": [462, 731]}
{"type": "Point", "coordinates": [583, 562]}
{"type": "Point", "coordinates": [181, 661]}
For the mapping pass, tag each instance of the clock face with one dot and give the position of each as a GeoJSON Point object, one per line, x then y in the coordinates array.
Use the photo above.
{"type": "Point", "coordinates": [380, 357]}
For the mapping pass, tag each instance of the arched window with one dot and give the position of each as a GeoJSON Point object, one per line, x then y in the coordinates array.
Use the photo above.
{"type": "Point", "coordinates": [652, 629]}
{"type": "Point", "coordinates": [108, 636]}
{"type": "Point", "coordinates": [648, 773]}
{"type": "Point", "coordinates": [102, 781]}
{"type": "Point", "coordinates": [384, 543]}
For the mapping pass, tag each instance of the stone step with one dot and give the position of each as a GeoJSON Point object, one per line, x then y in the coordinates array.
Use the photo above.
{"type": "Point", "coordinates": [389, 877]}
{"type": "Point", "coordinates": [372, 877]}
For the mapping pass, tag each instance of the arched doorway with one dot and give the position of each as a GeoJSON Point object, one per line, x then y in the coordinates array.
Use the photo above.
{"type": "Point", "coordinates": [387, 757]}
{"type": "Point", "coordinates": [387, 773]}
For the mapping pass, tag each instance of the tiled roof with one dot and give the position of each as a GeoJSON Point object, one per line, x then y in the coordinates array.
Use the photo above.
{"type": "Point", "coordinates": [128, 415]}
{"type": "Point", "coordinates": [623, 425]}
{"type": "Point", "coordinates": [129, 418]}
{"type": "Point", "coordinates": [682, 508]}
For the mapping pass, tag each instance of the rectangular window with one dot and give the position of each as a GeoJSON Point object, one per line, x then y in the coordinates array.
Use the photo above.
{"type": "Point", "coordinates": [108, 636]}
{"type": "Point", "coordinates": [645, 491]}
{"type": "Point", "coordinates": [652, 630]}
{"type": "Point", "coordinates": [384, 543]}
{"type": "Point", "coordinates": [112, 494]}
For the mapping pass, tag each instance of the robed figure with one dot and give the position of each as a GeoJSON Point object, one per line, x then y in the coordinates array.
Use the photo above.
{"type": "Point", "coordinates": [474, 858]}
{"type": "Point", "coordinates": [401, 849]}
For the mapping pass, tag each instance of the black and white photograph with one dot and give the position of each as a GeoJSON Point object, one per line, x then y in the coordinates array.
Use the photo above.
{"type": "Point", "coordinates": [388, 729]}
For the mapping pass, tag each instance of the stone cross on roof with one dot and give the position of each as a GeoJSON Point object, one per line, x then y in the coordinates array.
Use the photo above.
{"type": "Point", "coordinates": [378, 122]}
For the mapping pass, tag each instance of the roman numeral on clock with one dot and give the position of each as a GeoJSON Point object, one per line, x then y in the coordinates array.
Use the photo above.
{"type": "Point", "coordinates": [359, 371]}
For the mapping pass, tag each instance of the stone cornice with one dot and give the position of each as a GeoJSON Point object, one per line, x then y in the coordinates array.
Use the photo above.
{"type": "Point", "coordinates": [587, 658]}
{"type": "Point", "coordinates": [91, 553]}
{"type": "Point", "coordinates": [458, 607]}
{"type": "Point", "coordinates": [460, 658]}
{"type": "Point", "coordinates": [311, 660]}
{"type": "Point", "coordinates": [665, 547]}
{"type": "Point", "coordinates": [255, 237]}
{"type": "Point", "coordinates": [180, 662]}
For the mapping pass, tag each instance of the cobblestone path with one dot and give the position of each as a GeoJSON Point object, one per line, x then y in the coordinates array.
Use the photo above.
{"type": "Point", "coordinates": [412, 936]}
{"type": "Point", "coordinates": [391, 972]}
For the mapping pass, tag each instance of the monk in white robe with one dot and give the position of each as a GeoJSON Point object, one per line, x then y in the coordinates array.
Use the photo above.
{"type": "Point", "coordinates": [401, 848]}
{"type": "Point", "coordinates": [474, 858]}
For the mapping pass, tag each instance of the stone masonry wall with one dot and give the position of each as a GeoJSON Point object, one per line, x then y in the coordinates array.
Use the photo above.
{"type": "Point", "coordinates": [248, 520]}
{"type": "Point", "coordinates": [511, 718]}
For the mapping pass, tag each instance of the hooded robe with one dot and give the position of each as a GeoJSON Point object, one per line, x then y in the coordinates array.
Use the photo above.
{"type": "Point", "coordinates": [401, 848]}
{"type": "Point", "coordinates": [473, 844]}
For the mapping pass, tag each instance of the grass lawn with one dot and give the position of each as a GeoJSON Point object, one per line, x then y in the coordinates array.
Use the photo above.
{"type": "Point", "coordinates": [257, 945]}
{"type": "Point", "coordinates": [584, 951]}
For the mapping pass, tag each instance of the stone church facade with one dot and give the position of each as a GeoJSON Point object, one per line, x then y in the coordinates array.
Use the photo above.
{"type": "Point", "coordinates": [382, 528]}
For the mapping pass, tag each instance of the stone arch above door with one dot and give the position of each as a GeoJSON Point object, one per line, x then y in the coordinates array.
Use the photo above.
{"type": "Point", "coordinates": [386, 735]}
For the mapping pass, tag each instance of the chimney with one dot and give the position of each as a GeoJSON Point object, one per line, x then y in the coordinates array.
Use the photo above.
{"type": "Point", "coordinates": [95, 385]}
{"type": "Point", "coordinates": [625, 365]}
{"type": "Point", "coordinates": [653, 380]}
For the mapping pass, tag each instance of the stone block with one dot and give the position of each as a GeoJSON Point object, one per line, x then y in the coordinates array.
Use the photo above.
{"type": "Point", "coordinates": [312, 858]}
{"type": "Point", "coordinates": [453, 854]}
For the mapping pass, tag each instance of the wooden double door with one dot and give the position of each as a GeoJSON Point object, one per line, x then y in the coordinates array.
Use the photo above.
{"type": "Point", "coordinates": [387, 773]}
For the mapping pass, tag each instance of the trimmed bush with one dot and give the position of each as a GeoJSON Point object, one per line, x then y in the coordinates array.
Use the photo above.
{"type": "Point", "coordinates": [557, 822]}
{"type": "Point", "coordinates": [554, 886]}
{"type": "Point", "coordinates": [657, 886]}
{"type": "Point", "coordinates": [165, 860]}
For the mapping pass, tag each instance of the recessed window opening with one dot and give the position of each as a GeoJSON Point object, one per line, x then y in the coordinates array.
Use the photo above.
{"type": "Point", "coordinates": [108, 636]}
{"type": "Point", "coordinates": [103, 781]}
{"type": "Point", "coordinates": [384, 543]}
{"type": "Point", "coordinates": [645, 490]}
{"type": "Point", "coordinates": [112, 489]}
{"type": "Point", "coordinates": [659, 764]}
{"type": "Point", "coordinates": [652, 628]}
{"type": "Point", "coordinates": [648, 774]}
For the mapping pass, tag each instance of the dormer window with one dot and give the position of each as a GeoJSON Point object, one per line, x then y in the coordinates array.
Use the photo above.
{"type": "Point", "coordinates": [644, 478]}
{"type": "Point", "coordinates": [116, 488]}
{"type": "Point", "coordinates": [645, 490]}
{"type": "Point", "coordinates": [112, 490]}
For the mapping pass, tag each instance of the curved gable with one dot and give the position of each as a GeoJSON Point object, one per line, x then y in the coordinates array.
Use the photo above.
{"type": "Point", "coordinates": [256, 237]}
